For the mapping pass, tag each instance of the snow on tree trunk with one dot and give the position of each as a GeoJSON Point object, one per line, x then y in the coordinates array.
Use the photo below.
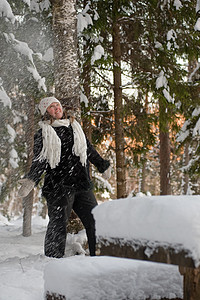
{"type": "Point", "coordinates": [118, 108]}
{"type": "Point", "coordinates": [66, 71]}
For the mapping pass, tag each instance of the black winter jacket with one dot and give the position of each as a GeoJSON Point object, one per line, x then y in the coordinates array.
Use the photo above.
{"type": "Point", "coordinates": [70, 175]}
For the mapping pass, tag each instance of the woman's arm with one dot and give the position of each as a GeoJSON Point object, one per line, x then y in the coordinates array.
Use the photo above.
{"type": "Point", "coordinates": [38, 166]}
{"type": "Point", "coordinates": [94, 157]}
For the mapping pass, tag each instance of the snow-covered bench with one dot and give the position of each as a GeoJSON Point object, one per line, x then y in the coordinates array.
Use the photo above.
{"type": "Point", "coordinates": [159, 228]}
{"type": "Point", "coordinates": [162, 229]}
{"type": "Point", "coordinates": [110, 278]}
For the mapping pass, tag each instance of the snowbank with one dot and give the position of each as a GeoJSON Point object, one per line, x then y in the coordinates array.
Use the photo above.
{"type": "Point", "coordinates": [109, 278]}
{"type": "Point", "coordinates": [22, 265]}
{"type": "Point", "coordinates": [163, 220]}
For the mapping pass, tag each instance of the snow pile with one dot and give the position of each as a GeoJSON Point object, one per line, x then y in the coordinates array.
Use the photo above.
{"type": "Point", "coordinates": [74, 243]}
{"type": "Point", "coordinates": [22, 279]}
{"type": "Point", "coordinates": [22, 265]}
{"type": "Point", "coordinates": [109, 278]}
{"type": "Point", "coordinates": [4, 221]}
{"type": "Point", "coordinates": [162, 220]}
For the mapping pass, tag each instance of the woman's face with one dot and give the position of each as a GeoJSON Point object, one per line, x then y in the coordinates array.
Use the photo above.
{"type": "Point", "coordinates": [55, 110]}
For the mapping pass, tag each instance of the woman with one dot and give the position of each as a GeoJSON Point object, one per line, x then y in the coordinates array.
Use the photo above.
{"type": "Point", "coordinates": [62, 151]}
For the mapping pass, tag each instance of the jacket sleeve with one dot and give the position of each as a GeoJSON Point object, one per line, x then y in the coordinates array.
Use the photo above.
{"type": "Point", "coordinates": [38, 166]}
{"type": "Point", "coordinates": [94, 157]}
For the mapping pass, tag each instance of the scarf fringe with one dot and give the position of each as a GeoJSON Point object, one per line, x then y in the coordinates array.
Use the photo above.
{"type": "Point", "coordinates": [51, 150]}
{"type": "Point", "coordinates": [80, 144]}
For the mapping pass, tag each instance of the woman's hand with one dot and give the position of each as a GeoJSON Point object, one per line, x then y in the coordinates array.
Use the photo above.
{"type": "Point", "coordinates": [107, 174]}
{"type": "Point", "coordinates": [27, 186]}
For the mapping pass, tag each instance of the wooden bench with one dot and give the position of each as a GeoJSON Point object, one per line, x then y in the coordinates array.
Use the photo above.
{"type": "Point", "coordinates": [137, 250]}
{"type": "Point", "coordinates": [183, 213]}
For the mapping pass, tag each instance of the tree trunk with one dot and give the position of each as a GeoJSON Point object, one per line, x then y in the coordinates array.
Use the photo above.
{"type": "Point", "coordinates": [87, 126]}
{"type": "Point", "coordinates": [191, 283]}
{"type": "Point", "coordinates": [186, 175]}
{"type": "Point", "coordinates": [27, 214]}
{"type": "Point", "coordinates": [66, 70]}
{"type": "Point", "coordinates": [191, 67]}
{"type": "Point", "coordinates": [28, 201]}
{"type": "Point", "coordinates": [143, 178]}
{"type": "Point", "coordinates": [165, 187]}
{"type": "Point", "coordinates": [118, 109]}
{"type": "Point", "coordinates": [144, 170]}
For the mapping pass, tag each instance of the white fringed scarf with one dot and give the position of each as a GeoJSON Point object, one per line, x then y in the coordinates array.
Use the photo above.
{"type": "Point", "coordinates": [51, 150]}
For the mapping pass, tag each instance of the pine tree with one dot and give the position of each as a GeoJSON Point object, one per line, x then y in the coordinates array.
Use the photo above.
{"type": "Point", "coordinates": [24, 49]}
{"type": "Point", "coordinates": [66, 73]}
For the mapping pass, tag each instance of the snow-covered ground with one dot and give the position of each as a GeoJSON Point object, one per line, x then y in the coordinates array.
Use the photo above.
{"type": "Point", "coordinates": [22, 267]}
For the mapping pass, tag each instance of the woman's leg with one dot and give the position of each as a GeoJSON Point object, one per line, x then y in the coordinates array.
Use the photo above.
{"type": "Point", "coordinates": [84, 202]}
{"type": "Point", "coordinates": [55, 239]}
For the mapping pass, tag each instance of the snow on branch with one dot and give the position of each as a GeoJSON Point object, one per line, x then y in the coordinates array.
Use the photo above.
{"type": "Point", "coordinates": [84, 99]}
{"type": "Point", "coordinates": [162, 82]}
{"type": "Point", "coordinates": [164, 3]}
{"type": "Point", "coordinates": [105, 183]}
{"type": "Point", "coordinates": [23, 49]}
{"type": "Point", "coordinates": [196, 111]}
{"type": "Point", "coordinates": [13, 155]}
{"type": "Point", "coordinates": [98, 53]}
{"type": "Point", "coordinates": [84, 19]}
{"type": "Point", "coordinates": [38, 6]}
{"type": "Point", "coordinates": [26, 2]}
{"type": "Point", "coordinates": [14, 159]}
{"type": "Point", "coordinates": [184, 132]}
{"type": "Point", "coordinates": [11, 133]}
{"type": "Point", "coordinates": [4, 98]}
{"type": "Point", "coordinates": [196, 130]}
{"type": "Point", "coordinates": [6, 11]}
{"type": "Point", "coordinates": [178, 4]}
{"type": "Point", "coordinates": [190, 164]}
{"type": "Point", "coordinates": [171, 38]}
{"type": "Point", "coordinates": [194, 72]}
{"type": "Point", "coordinates": [168, 96]}
{"type": "Point", "coordinates": [197, 25]}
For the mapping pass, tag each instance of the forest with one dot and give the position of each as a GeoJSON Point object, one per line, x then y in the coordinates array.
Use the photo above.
{"type": "Point", "coordinates": [130, 69]}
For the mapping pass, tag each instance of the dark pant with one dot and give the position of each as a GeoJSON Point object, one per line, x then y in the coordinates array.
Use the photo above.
{"type": "Point", "coordinates": [82, 203]}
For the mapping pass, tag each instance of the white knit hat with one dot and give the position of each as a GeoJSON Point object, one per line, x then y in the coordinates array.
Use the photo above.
{"type": "Point", "coordinates": [45, 102]}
